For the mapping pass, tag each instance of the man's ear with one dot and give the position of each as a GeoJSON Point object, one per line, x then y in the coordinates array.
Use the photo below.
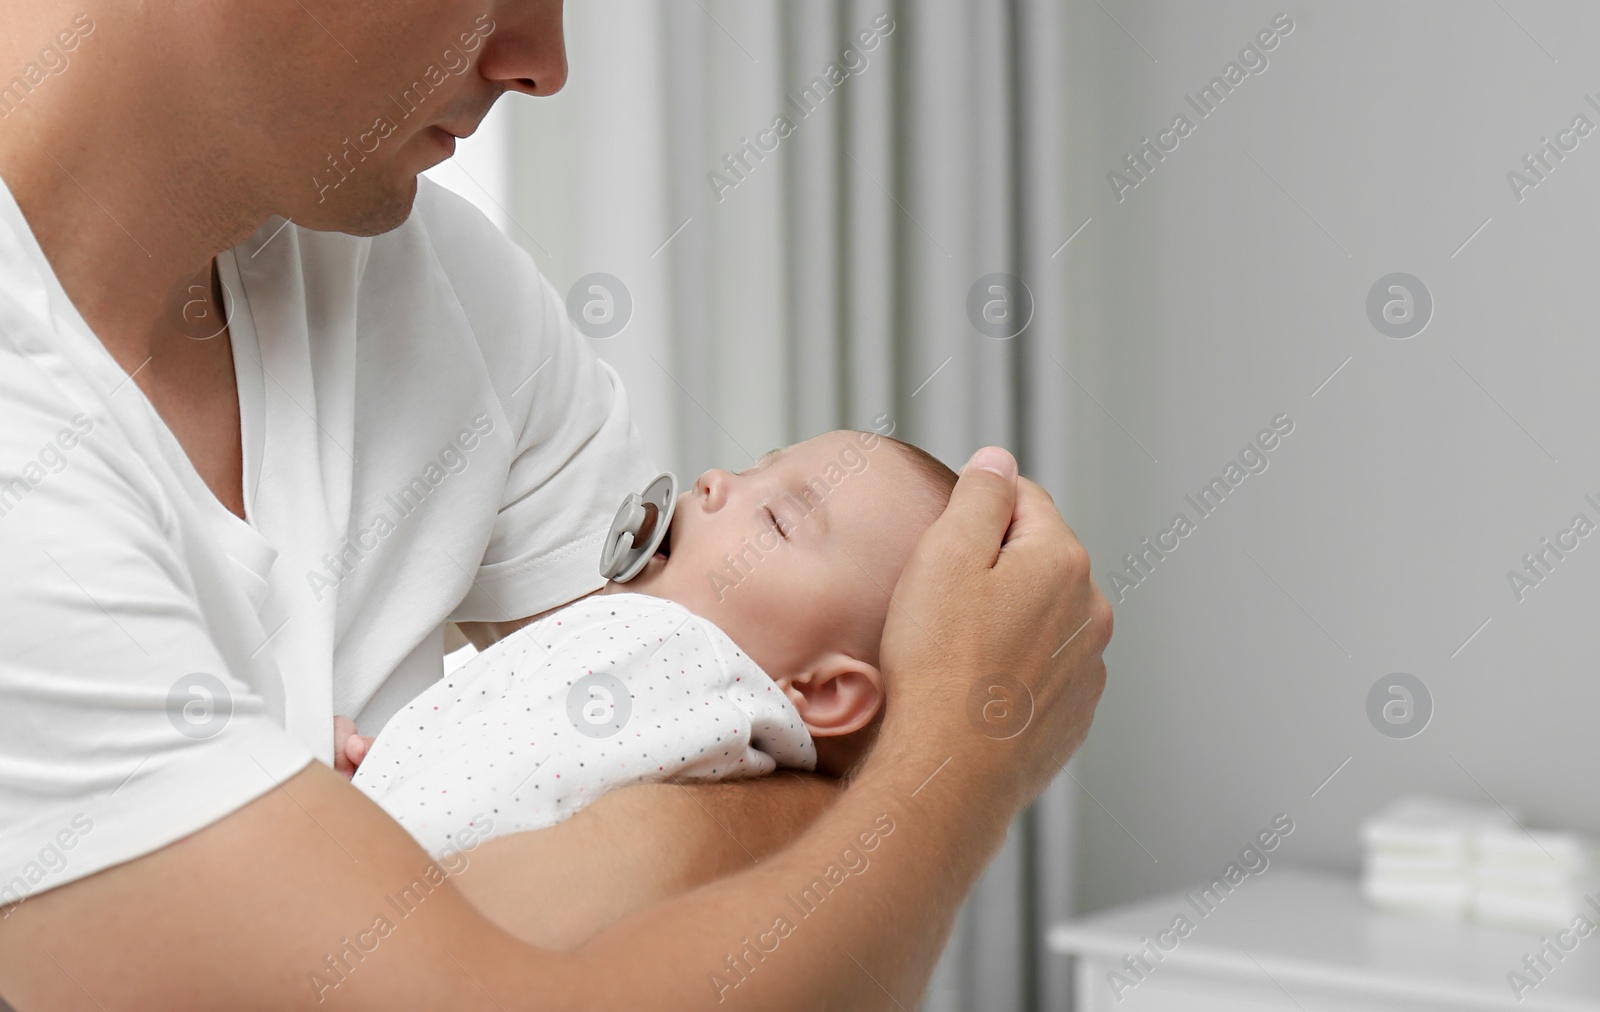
{"type": "Point", "coordinates": [837, 695]}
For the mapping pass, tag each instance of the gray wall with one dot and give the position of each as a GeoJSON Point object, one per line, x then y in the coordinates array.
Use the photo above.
{"type": "Point", "coordinates": [1220, 293]}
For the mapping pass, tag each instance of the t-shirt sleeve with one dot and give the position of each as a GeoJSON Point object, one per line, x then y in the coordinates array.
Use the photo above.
{"type": "Point", "coordinates": [578, 451]}
{"type": "Point", "coordinates": [124, 727]}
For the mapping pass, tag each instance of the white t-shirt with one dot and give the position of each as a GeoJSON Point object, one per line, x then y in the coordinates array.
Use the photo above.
{"type": "Point", "coordinates": [425, 438]}
{"type": "Point", "coordinates": [616, 689]}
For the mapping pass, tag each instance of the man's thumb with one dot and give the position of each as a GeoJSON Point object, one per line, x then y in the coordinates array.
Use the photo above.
{"type": "Point", "coordinates": [995, 459]}
{"type": "Point", "coordinates": [983, 502]}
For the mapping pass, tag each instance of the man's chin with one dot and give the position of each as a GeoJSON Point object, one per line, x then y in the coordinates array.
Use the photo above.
{"type": "Point", "coordinates": [363, 212]}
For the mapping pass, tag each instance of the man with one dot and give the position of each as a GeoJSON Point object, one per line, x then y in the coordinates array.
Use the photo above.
{"type": "Point", "coordinates": [274, 415]}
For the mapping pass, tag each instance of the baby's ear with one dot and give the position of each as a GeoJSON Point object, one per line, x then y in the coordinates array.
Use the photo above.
{"type": "Point", "coordinates": [837, 695]}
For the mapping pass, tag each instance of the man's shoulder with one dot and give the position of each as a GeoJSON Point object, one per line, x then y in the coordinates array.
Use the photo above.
{"type": "Point", "coordinates": [56, 435]}
{"type": "Point", "coordinates": [445, 248]}
{"type": "Point", "coordinates": [445, 213]}
{"type": "Point", "coordinates": [488, 272]}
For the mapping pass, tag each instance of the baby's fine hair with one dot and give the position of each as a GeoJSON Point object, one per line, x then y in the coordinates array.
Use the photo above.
{"type": "Point", "coordinates": [937, 477]}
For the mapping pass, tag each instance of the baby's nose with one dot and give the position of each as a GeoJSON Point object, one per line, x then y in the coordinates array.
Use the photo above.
{"type": "Point", "coordinates": [713, 484]}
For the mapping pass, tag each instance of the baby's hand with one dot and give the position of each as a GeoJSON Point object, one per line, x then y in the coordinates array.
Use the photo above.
{"type": "Point", "coordinates": [349, 747]}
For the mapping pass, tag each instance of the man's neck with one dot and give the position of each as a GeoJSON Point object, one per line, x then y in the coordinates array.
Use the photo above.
{"type": "Point", "coordinates": [120, 232]}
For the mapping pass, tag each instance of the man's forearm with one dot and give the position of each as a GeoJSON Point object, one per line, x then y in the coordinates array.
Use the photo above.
{"type": "Point", "coordinates": [655, 841]}
{"type": "Point", "coordinates": [809, 926]}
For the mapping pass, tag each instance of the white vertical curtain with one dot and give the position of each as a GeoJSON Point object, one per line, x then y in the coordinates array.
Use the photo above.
{"type": "Point", "coordinates": [819, 276]}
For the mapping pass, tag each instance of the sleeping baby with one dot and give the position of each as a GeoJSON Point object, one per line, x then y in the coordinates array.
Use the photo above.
{"type": "Point", "coordinates": [748, 641]}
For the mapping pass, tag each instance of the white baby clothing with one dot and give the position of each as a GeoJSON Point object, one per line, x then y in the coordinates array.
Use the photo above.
{"type": "Point", "coordinates": [614, 690]}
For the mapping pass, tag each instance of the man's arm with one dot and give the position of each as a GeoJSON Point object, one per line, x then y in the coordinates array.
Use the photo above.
{"type": "Point", "coordinates": [312, 896]}
{"type": "Point", "coordinates": [654, 841]}
{"type": "Point", "coordinates": [312, 893]}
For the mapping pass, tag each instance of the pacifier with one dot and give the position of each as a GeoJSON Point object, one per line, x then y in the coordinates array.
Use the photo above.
{"type": "Point", "coordinates": [640, 527]}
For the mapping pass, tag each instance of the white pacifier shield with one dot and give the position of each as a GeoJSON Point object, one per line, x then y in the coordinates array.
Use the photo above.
{"type": "Point", "coordinates": [643, 519]}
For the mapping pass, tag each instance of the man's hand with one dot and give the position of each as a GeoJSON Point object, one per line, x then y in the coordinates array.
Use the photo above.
{"type": "Point", "coordinates": [996, 632]}
{"type": "Point", "coordinates": [349, 747]}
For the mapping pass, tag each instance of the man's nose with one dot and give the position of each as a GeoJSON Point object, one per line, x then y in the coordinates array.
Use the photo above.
{"type": "Point", "coordinates": [527, 52]}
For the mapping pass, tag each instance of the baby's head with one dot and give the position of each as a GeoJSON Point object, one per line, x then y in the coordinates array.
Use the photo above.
{"type": "Point", "coordinates": [795, 558]}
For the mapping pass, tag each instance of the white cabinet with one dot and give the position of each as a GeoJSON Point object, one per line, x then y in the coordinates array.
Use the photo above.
{"type": "Point", "coordinates": [1288, 939]}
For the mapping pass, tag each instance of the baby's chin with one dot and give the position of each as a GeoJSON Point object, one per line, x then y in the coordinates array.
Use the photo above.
{"type": "Point", "coordinates": [675, 579]}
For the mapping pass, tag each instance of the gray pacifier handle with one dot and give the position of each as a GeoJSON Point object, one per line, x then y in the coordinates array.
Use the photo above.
{"type": "Point", "coordinates": [639, 528]}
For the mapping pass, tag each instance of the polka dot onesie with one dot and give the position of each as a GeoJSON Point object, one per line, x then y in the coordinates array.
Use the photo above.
{"type": "Point", "coordinates": [615, 689]}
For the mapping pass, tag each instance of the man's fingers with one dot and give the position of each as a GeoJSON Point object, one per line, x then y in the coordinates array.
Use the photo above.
{"type": "Point", "coordinates": [1039, 525]}
{"type": "Point", "coordinates": [982, 505]}
{"type": "Point", "coordinates": [1038, 522]}
{"type": "Point", "coordinates": [1036, 514]}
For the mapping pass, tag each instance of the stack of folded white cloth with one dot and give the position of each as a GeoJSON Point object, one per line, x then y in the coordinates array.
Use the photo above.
{"type": "Point", "coordinates": [1445, 859]}
{"type": "Point", "coordinates": [1420, 855]}
{"type": "Point", "coordinates": [1535, 879]}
